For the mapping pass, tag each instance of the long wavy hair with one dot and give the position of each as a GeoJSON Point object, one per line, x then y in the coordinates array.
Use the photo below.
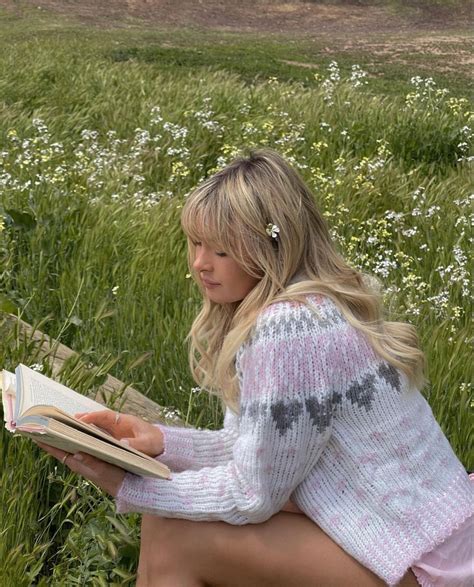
{"type": "Point", "coordinates": [231, 209]}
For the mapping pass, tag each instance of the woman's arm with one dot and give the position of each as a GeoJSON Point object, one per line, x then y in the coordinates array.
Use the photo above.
{"type": "Point", "coordinates": [178, 447]}
{"type": "Point", "coordinates": [287, 395]}
{"type": "Point", "coordinates": [189, 448]}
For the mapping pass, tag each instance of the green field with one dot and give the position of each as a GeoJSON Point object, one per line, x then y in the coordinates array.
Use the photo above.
{"type": "Point", "coordinates": [102, 135]}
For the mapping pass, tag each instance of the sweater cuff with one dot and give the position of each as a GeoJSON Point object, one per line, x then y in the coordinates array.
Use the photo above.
{"type": "Point", "coordinates": [122, 505]}
{"type": "Point", "coordinates": [126, 499]}
{"type": "Point", "coordinates": [178, 451]}
{"type": "Point", "coordinates": [136, 495]}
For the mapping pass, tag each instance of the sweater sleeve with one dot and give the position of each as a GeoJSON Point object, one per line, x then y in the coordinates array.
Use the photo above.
{"type": "Point", "coordinates": [286, 402]}
{"type": "Point", "coordinates": [189, 448]}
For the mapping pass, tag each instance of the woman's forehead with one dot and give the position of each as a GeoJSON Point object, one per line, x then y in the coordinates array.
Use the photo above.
{"type": "Point", "coordinates": [203, 227]}
{"type": "Point", "coordinates": [203, 233]}
{"type": "Point", "coordinates": [205, 220]}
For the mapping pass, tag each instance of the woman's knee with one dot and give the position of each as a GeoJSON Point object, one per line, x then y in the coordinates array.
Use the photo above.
{"type": "Point", "coordinates": [164, 541]}
{"type": "Point", "coordinates": [168, 553]}
{"type": "Point", "coordinates": [159, 544]}
{"type": "Point", "coordinates": [155, 527]}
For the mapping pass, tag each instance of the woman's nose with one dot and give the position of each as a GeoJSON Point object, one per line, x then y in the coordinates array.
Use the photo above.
{"type": "Point", "coordinates": [201, 261]}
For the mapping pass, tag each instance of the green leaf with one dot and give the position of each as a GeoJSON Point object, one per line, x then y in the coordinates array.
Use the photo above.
{"type": "Point", "coordinates": [19, 219]}
{"type": "Point", "coordinates": [7, 305]}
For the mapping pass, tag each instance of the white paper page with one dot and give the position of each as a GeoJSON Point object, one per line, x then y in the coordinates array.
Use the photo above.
{"type": "Point", "coordinates": [8, 391]}
{"type": "Point", "coordinates": [8, 382]}
{"type": "Point", "coordinates": [45, 391]}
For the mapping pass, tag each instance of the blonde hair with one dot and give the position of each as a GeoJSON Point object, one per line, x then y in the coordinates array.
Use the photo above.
{"type": "Point", "coordinates": [231, 210]}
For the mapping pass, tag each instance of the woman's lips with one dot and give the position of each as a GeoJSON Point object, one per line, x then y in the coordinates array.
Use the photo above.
{"type": "Point", "coordinates": [209, 284]}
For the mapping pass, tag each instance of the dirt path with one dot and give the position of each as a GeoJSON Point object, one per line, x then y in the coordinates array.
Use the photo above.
{"type": "Point", "coordinates": [351, 18]}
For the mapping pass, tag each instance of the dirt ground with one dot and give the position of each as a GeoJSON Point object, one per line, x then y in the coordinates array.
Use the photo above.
{"type": "Point", "coordinates": [386, 32]}
{"type": "Point", "coordinates": [353, 18]}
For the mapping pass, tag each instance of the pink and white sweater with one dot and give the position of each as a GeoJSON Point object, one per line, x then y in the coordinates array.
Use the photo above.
{"type": "Point", "coordinates": [327, 422]}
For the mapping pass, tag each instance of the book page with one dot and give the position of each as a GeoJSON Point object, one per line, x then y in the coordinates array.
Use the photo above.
{"type": "Point", "coordinates": [37, 389]}
{"type": "Point", "coordinates": [8, 382]}
{"type": "Point", "coordinates": [8, 391]}
{"type": "Point", "coordinates": [41, 417]}
{"type": "Point", "coordinates": [62, 437]}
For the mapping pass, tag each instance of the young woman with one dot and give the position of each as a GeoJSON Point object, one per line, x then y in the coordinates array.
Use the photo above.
{"type": "Point", "coordinates": [324, 417]}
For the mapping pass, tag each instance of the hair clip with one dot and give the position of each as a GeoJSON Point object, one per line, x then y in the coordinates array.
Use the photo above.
{"type": "Point", "coordinates": [272, 230]}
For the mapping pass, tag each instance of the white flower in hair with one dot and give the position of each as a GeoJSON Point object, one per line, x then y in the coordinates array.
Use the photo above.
{"type": "Point", "coordinates": [272, 230]}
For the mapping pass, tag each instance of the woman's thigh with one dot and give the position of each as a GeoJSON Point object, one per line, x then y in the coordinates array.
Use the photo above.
{"type": "Point", "coordinates": [285, 551]}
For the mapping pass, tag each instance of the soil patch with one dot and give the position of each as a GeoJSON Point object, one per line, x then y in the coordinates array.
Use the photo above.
{"type": "Point", "coordinates": [300, 18]}
{"type": "Point", "coordinates": [438, 38]}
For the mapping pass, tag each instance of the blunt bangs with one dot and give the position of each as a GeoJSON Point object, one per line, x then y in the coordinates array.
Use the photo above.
{"type": "Point", "coordinates": [207, 217]}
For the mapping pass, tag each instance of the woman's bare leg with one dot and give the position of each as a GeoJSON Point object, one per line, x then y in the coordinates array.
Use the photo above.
{"type": "Point", "coordinates": [288, 550]}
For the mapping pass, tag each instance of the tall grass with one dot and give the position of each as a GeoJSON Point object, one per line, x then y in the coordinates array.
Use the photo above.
{"type": "Point", "coordinates": [96, 159]}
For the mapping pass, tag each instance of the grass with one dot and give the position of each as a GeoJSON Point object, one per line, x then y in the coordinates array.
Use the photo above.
{"type": "Point", "coordinates": [101, 137]}
{"type": "Point", "coordinates": [386, 57]}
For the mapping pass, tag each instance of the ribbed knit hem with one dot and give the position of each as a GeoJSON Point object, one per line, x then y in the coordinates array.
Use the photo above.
{"type": "Point", "coordinates": [423, 581]}
{"type": "Point", "coordinates": [133, 489]}
{"type": "Point", "coordinates": [179, 447]}
{"type": "Point", "coordinates": [445, 518]}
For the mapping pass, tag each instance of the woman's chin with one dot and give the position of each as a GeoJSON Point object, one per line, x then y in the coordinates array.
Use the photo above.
{"type": "Point", "coordinates": [219, 297]}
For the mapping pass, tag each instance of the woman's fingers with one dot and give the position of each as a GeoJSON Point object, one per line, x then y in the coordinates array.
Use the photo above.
{"type": "Point", "coordinates": [291, 507]}
{"type": "Point", "coordinates": [128, 429]}
{"type": "Point", "coordinates": [56, 452]}
{"type": "Point", "coordinates": [110, 421]}
{"type": "Point", "coordinates": [104, 417]}
{"type": "Point", "coordinates": [108, 477]}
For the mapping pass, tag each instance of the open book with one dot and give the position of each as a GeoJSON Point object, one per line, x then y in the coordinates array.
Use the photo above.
{"type": "Point", "coordinates": [40, 408]}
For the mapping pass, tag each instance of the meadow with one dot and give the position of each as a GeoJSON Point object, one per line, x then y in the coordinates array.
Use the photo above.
{"type": "Point", "coordinates": [102, 137]}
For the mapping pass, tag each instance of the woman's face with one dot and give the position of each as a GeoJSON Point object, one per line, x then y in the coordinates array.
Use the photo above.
{"type": "Point", "coordinates": [223, 280]}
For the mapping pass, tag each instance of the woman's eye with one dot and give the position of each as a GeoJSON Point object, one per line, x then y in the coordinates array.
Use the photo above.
{"type": "Point", "coordinates": [221, 254]}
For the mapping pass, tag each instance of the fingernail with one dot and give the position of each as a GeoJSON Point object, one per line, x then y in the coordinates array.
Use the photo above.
{"type": "Point", "coordinates": [125, 442]}
{"type": "Point", "coordinates": [78, 457]}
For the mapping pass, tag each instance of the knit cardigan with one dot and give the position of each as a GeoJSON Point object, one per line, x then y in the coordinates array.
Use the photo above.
{"type": "Point", "coordinates": [323, 420]}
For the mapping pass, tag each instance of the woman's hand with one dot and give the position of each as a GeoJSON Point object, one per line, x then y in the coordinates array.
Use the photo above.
{"type": "Point", "coordinates": [291, 508]}
{"type": "Point", "coordinates": [108, 477]}
{"type": "Point", "coordinates": [129, 429]}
